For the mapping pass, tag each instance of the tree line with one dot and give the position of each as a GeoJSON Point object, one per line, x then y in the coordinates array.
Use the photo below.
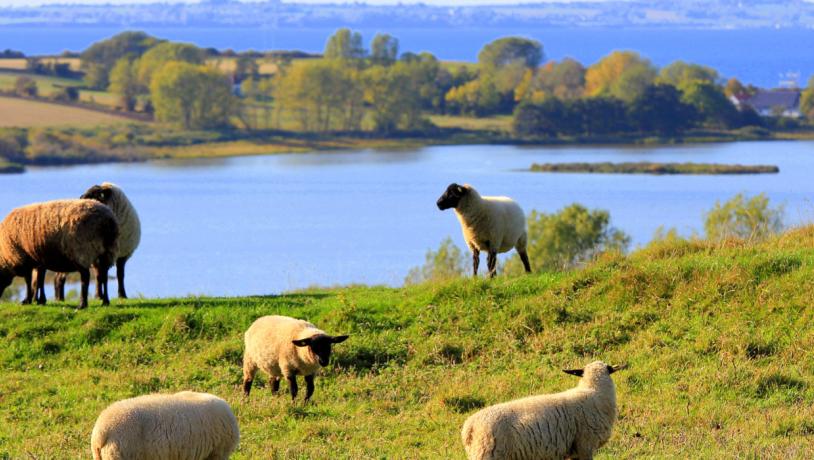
{"type": "Point", "coordinates": [353, 88]}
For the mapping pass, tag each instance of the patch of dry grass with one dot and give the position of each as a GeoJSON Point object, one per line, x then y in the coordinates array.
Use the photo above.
{"type": "Point", "coordinates": [29, 113]}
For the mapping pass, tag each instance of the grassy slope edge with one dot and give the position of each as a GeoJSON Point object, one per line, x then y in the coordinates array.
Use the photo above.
{"type": "Point", "coordinates": [720, 340]}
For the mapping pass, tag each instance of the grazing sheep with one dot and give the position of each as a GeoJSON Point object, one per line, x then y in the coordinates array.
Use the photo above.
{"type": "Point", "coordinates": [61, 235]}
{"type": "Point", "coordinates": [572, 424]}
{"type": "Point", "coordinates": [284, 347]}
{"type": "Point", "coordinates": [129, 232]}
{"type": "Point", "coordinates": [181, 426]}
{"type": "Point", "coordinates": [494, 224]}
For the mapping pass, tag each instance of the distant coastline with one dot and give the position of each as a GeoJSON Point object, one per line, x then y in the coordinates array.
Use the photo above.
{"type": "Point", "coordinates": [654, 168]}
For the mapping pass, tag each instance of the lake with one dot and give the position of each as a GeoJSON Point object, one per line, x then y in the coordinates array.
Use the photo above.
{"type": "Point", "coordinates": [267, 224]}
{"type": "Point", "coordinates": [757, 56]}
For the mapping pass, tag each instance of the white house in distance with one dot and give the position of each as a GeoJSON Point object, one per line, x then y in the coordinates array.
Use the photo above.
{"type": "Point", "coordinates": [783, 102]}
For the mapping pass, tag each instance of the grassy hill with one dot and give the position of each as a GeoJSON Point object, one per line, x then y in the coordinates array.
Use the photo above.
{"type": "Point", "coordinates": [720, 342]}
{"type": "Point", "coordinates": [26, 113]}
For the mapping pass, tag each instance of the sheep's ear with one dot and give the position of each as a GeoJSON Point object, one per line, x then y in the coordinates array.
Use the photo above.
{"type": "Point", "coordinates": [612, 369]}
{"type": "Point", "coordinates": [577, 372]}
{"type": "Point", "coordinates": [302, 342]}
{"type": "Point", "coordinates": [339, 338]}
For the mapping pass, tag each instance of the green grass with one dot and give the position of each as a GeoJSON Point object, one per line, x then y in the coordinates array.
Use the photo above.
{"type": "Point", "coordinates": [645, 167]}
{"type": "Point", "coordinates": [720, 342]}
{"type": "Point", "coordinates": [46, 86]}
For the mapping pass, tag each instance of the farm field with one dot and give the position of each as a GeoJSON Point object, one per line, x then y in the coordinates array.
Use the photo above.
{"type": "Point", "coordinates": [719, 340]}
{"type": "Point", "coordinates": [46, 86]}
{"type": "Point", "coordinates": [29, 113]}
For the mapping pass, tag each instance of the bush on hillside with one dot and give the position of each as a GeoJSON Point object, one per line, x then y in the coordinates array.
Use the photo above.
{"type": "Point", "coordinates": [743, 217]}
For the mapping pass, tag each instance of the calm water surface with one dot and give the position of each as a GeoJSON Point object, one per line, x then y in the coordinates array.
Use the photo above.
{"type": "Point", "coordinates": [266, 224]}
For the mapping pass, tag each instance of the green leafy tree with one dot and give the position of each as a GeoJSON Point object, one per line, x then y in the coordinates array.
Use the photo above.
{"type": "Point", "coordinates": [568, 238]}
{"type": "Point", "coordinates": [540, 120]}
{"type": "Point", "coordinates": [506, 51]}
{"type": "Point", "coordinates": [447, 262]}
{"type": "Point", "coordinates": [25, 86]}
{"type": "Point", "coordinates": [391, 95]}
{"type": "Point", "coordinates": [99, 58]}
{"type": "Point", "coordinates": [192, 96]}
{"type": "Point", "coordinates": [711, 103]}
{"type": "Point", "coordinates": [345, 45]}
{"type": "Point", "coordinates": [246, 67]}
{"type": "Point", "coordinates": [166, 52]}
{"type": "Point", "coordinates": [807, 100]}
{"type": "Point", "coordinates": [659, 109]}
{"type": "Point", "coordinates": [124, 83]}
{"type": "Point", "coordinates": [743, 217]}
{"type": "Point", "coordinates": [384, 49]}
{"type": "Point", "coordinates": [681, 74]}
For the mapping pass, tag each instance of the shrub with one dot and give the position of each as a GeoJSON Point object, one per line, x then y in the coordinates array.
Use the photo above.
{"type": "Point", "coordinates": [743, 217]}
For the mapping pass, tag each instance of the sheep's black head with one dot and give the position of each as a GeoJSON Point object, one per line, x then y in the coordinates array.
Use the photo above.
{"type": "Point", "coordinates": [452, 196]}
{"type": "Point", "coordinates": [99, 193]}
{"type": "Point", "coordinates": [595, 367]}
{"type": "Point", "coordinates": [320, 345]}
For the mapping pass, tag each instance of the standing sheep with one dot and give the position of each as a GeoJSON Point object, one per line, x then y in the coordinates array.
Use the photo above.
{"type": "Point", "coordinates": [61, 235]}
{"type": "Point", "coordinates": [494, 224]}
{"type": "Point", "coordinates": [182, 426]}
{"type": "Point", "coordinates": [284, 347]}
{"type": "Point", "coordinates": [113, 197]}
{"type": "Point", "coordinates": [572, 424]}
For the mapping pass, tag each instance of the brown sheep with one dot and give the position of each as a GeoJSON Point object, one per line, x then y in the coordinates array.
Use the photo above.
{"type": "Point", "coordinates": [63, 236]}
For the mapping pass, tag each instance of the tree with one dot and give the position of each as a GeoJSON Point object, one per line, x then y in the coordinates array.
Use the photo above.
{"type": "Point", "coordinates": [600, 115]}
{"type": "Point", "coordinates": [193, 96]}
{"type": "Point", "coordinates": [124, 83]}
{"type": "Point", "coordinates": [659, 109]}
{"type": "Point", "coordinates": [681, 74]}
{"type": "Point", "coordinates": [621, 74]}
{"type": "Point", "coordinates": [477, 97]}
{"type": "Point", "coordinates": [742, 217]}
{"type": "Point", "coordinates": [568, 238]}
{"type": "Point", "coordinates": [391, 94]}
{"type": "Point", "coordinates": [445, 263]}
{"type": "Point", "coordinates": [99, 58]}
{"type": "Point", "coordinates": [807, 100]}
{"type": "Point", "coordinates": [163, 53]}
{"type": "Point", "coordinates": [711, 103]}
{"type": "Point", "coordinates": [25, 86]}
{"type": "Point", "coordinates": [505, 51]}
{"type": "Point", "coordinates": [246, 67]}
{"type": "Point", "coordinates": [384, 49]}
{"type": "Point", "coordinates": [539, 120]}
{"type": "Point", "coordinates": [345, 45]}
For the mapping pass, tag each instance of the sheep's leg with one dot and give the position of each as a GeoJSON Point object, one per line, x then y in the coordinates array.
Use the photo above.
{"type": "Point", "coordinates": [475, 260]}
{"type": "Point", "coordinates": [84, 277]}
{"type": "Point", "coordinates": [249, 369]}
{"type": "Point", "coordinates": [309, 386]}
{"type": "Point", "coordinates": [525, 258]}
{"type": "Point", "coordinates": [29, 291]}
{"type": "Point", "coordinates": [275, 385]}
{"type": "Point", "coordinates": [120, 276]}
{"type": "Point", "coordinates": [41, 286]}
{"type": "Point", "coordinates": [101, 286]}
{"type": "Point", "coordinates": [292, 386]}
{"type": "Point", "coordinates": [59, 286]}
{"type": "Point", "coordinates": [99, 291]}
{"type": "Point", "coordinates": [491, 261]}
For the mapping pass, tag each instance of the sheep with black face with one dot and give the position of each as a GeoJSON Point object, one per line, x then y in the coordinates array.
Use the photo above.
{"type": "Point", "coordinates": [284, 347]}
{"type": "Point", "coordinates": [494, 224]}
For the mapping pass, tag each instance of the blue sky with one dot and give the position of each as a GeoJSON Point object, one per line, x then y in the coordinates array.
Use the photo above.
{"type": "Point", "coordinates": [121, 2]}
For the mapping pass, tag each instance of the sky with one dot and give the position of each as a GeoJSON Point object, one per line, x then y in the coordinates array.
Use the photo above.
{"type": "Point", "coordinates": [429, 2]}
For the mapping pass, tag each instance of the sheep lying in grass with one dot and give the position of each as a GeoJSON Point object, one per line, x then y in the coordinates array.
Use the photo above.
{"type": "Point", "coordinates": [572, 424]}
{"type": "Point", "coordinates": [185, 425]}
{"type": "Point", "coordinates": [62, 235]}
{"type": "Point", "coordinates": [129, 232]}
{"type": "Point", "coordinates": [494, 224]}
{"type": "Point", "coordinates": [284, 347]}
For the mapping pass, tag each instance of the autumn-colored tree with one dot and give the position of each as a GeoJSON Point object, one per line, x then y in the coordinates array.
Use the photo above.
{"type": "Point", "coordinates": [621, 74]}
{"type": "Point", "coordinates": [807, 100]}
{"type": "Point", "coordinates": [384, 49]}
{"type": "Point", "coordinates": [681, 74]}
{"type": "Point", "coordinates": [345, 45]}
{"type": "Point", "coordinates": [124, 83]}
{"type": "Point", "coordinates": [163, 53]}
{"type": "Point", "coordinates": [192, 96]}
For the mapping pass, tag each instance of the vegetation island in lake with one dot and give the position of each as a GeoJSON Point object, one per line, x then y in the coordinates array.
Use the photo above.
{"type": "Point", "coordinates": [645, 167]}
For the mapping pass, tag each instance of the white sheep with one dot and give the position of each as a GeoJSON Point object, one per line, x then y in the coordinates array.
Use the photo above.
{"type": "Point", "coordinates": [113, 197]}
{"type": "Point", "coordinates": [494, 224]}
{"type": "Point", "coordinates": [284, 347]}
{"type": "Point", "coordinates": [61, 235]}
{"type": "Point", "coordinates": [572, 424]}
{"type": "Point", "coordinates": [181, 426]}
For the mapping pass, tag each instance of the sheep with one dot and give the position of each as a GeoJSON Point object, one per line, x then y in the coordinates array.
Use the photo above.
{"type": "Point", "coordinates": [61, 235]}
{"type": "Point", "coordinates": [129, 232]}
{"type": "Point", "coordinates": [494, 224]}
{"type": "Point", "coordinates": [284, 347]}
{"type": "Point", "coordinates": [571, 424]}
{"type": "Point", "coordinates": [181, 426]}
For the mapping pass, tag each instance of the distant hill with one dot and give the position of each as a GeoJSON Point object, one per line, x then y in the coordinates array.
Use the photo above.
{"type": "Point", "coordinates": [714, 14]}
